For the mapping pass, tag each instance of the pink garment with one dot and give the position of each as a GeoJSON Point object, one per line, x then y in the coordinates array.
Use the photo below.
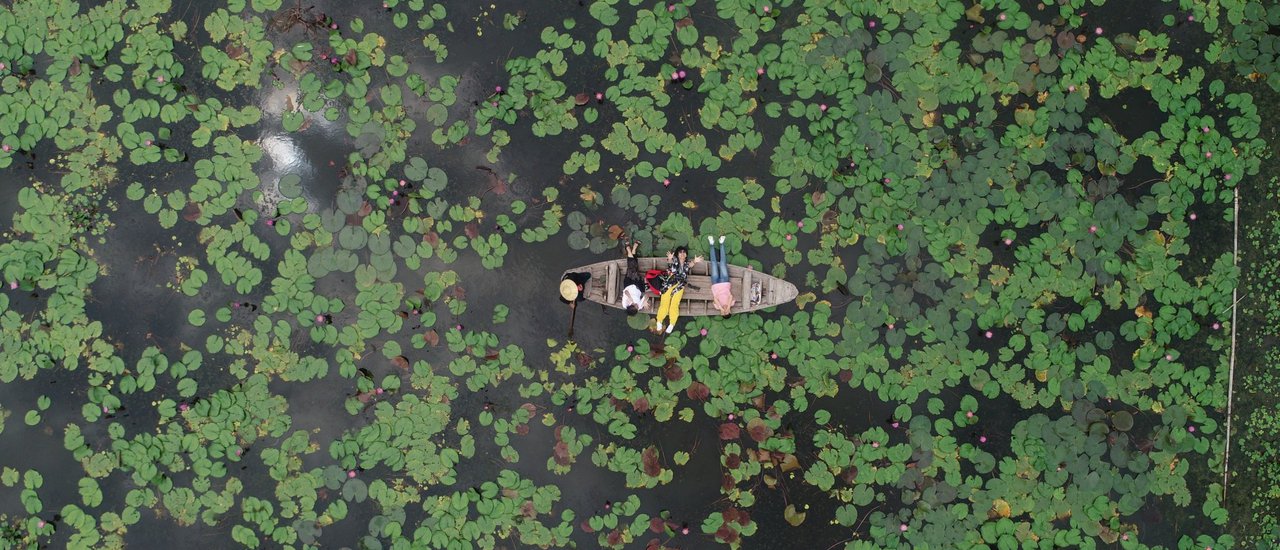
{"type": "Point", "coordinates": [722, 295]}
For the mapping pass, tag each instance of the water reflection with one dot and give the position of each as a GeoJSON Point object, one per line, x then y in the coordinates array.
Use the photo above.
{"type": "Point", "coordinates": [313, 153]}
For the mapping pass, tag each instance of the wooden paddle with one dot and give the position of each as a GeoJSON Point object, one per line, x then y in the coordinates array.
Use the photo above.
{"type": "Point", "coordinates": [573, 306]}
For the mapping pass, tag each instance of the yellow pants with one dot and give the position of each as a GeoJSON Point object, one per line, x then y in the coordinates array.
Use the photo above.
{"type": "Point", "coordinates": [669, 305]}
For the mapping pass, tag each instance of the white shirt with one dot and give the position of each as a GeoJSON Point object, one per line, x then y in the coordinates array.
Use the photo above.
{"type": "Point", "coordinates": [633, 295]}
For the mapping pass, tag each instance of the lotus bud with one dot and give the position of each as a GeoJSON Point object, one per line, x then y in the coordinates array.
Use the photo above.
{"type": "Point", "coordinates": [1097, 31]}
{"type": "Point", "coordinates": [1193, 216]}
{"type": "Point", "coordinates": [891, 325]}
{"type": "Point", "coordinates": [5, 147]}
{"type": "Point", "coordinates": [497, 89]}
{"type": "Point", "coordinates": [319, 318]}
{"type": "Point", "coordinates": [684, 530]}
{"type": "Point", "coordinates": [402, 183]}
{"type": "Point", "coordinates": [459, 326]}
{"type": "Point", "coordinates": [1124, 536]}
{"type": "Point", "coordinates": [1204, 129]}
{"type": "Point", "coordinates": [630, 348]}
{"type": "Point", "coordinates": [988, 334]}
{"type": "Point", "coordinates": [395, 193]}
{"type": "Point", "coordinates": [148, 142]}
{"type": "Point", "coordinates": [1227, 177]}
{"type": "Point", "coordinates": [351, 474]}
{"type": "Point", "coordinates": [1071, 88]}
{"type": "Point", "coordinates": [239, 452]}
{"type": "Point", "coordinates": [333, 26]}
{"type": "Point", "coordinates": [2, 66]}
{"type": "Point", "coordinates": [1002, 17]}
{"type": "Point", "coordinates": [1008, 242]}
{"type": "Point", "coordinates": [1191, 429]}
{"type": "Point", "coordinates": [378, 391]}
{"type": "Point", "coordinates": [1208, 154]}
{"type": "Point", "coordinates": [822, 107]}
{"type": "Point", "coordinates": [894, 425]}
{"type": "Point", "coordinates": [675, 75]}
{"type": "Point", "coordinates": [40, 524]}
{"type": "Point", "coordinates": [1189, 18]}
{"type": "Point", "coordinates": [1216, 326]}
{"type": "Point", "coordinates": [766, 9]}
{"type": "Point", "coordinates": [671, 7]}
{"type": "Point", "coordinates": [702, 332]}
{"type": "Point", "coordinates": [773, 355]}
{"type": "Point", "coordinates": [683, 74]}
{"type": "Point", "coordinates": [968, 414]}
{"type": "Point", "coordinates": [901, 227]}
{"type": "Point", "coordinates": [760, 71]}
{"type": "Point", "coordinates": [1093, 229]}
{"type": "Point", "coordinates": [493, 103]}
{"type": "Point", "coordinates": [13, 285]}
{"type": "Point", "coordinates": [599, 96]}
{"type": "Point", "coordinates": [731, 416]}
{"type": "Point", "coordinates": [902, 527]}
{"type": "Point", "coordinates": [982, 439]}
{"type": "Point", "coordinates": [872, 23]}
{"type": "Point", "coordinates": [333, 60]}
{"type": "Point", "coordinates": [788, 236]}
{"type": "Point", "coordinates": [666, 182]}
{"type": "Point", "coordinates": [105, 409]}
{"type": "Point", "coordinates": [608, 505]}
{"type": "Point", "coordinates": [1168, 357]}
{"type": "Point", "coordinates": [887, 180]}
{"type": "Point", "coordinates": [184, 407]}
{"type": "Point", "coordinates": [271, 223]}
{"type": "Point", "coordinates": [800, 224]}
{"type": "Point", "coordinates": [160, 78]}
{"type": "Point", "coordinates": [875, 444]}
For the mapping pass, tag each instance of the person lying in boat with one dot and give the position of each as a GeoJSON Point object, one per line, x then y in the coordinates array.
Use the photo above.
{"type": "Point", "coordinates": [634, 297]}
{"type": "Point", "coordinates": [721, 292]}
{"type": "Point", "coordinates": [678, 266]}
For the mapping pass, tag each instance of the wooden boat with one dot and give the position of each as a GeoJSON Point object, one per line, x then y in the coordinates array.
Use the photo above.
{"type": "Point", "coordinates": [751, 289]}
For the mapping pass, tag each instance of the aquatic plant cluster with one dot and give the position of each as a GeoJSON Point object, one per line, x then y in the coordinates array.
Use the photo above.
{"type": "Point", "coordinates": [1024, 284]}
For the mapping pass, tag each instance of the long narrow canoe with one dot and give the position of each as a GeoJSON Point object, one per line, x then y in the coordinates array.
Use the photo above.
{"type": "Point", "coordinates": [751, 289]}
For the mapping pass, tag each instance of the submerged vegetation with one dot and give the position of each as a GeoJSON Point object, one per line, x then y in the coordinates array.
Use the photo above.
{"type": "Point", "coordinates": [284, 275]}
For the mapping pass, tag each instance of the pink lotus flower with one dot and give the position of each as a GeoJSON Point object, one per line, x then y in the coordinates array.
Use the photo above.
{"type": "Point", "coordinates": [891, 325]}
{"type": "Point", "coordinates": [968, 414]}
{"type": "Point", "coordinates": [822, 107]}
{"type": "Point", "coordinates": [378, 391]}
{"type": "Point", "coordinates": [684, 530]}
{"type": "Point", "coordinates": [497, 89]}
{"type": "Point", "coordinates": [13, 285]}
{"type": "Point", "coordinates": [105, 409]}
{"type": "Point", "coordinates": [731, 416]}
{"type": "Point", "coordinates": [1216, 326]}
{"type": "Point", "coordinates": [1227, 177]}
{"type": "Point", "coordinates": [902, 527]}
{"type": "Point", "coordinates": [1071, 88]}
{"type": "Point", "coordinates": [1189, 18]}
{"type": "Point", "coordinates": [682, 74]}
{"type": "Point", "coordinates": [1208, 154]}
{"type": "Point", "coordinates": [1204, 129]}
{"type": "Point", "coordinates": [675, 75]}
{"type": "Point", "coordinates": [402, 183]}
{"type": "Point", "coordinates": [395, 193]}
{"type": "Point", "coordinates": [630, 348]}
{"type": "Point", "coordinates": [671, 7]}
{"type": "Point", "coordinates": [875, 444]}
{"type": "Point", "coordinates": [351, 474]}
{"type": "Point", "coordinates": [1093, 229]}
{"type": "Point", "coordinates": [988, 334]}
{"type": "Point", "coordinates": [333, 26]}
{"type": "Point", "coordinates": [760, 71]}
{"type": "Point", "coordinates": [887, 180]}
{"type": "Point", "coordinates": [788, 236]}
{"type": "Point", "coordinates": [184, 407]}
{"type": "Point", "coordinates": [702, 332]}
{"type": "Point", "coordinates": [1097, 31]}
{"type": "Point", "coordinates": [800, 224]}
{"type": "Point", "coordinates": [1191, 429]}
{"type": "Point", "coordinates": [1124, 536]}
{"type": "Point", "coordinates": [1008, 242]}
{"type": "Point", "coordinates": [1002, 17]}
{"type": "Point", "coordinates": [766, 9]}
{"type": "Point", "coordinates": [148, 142]}
{"type": "Point", "coordinates": [895, 424]}
{"type": "Point", "coordinates": [666, 182]}
{"type": "Point", "coordinates": [5, 147]}
{"type": "Point", "coordinates": [1168, 357]}
{"type": "Point", "coordinates": [2, 66]}
{"type": "Point", "coordinates": [239, 452]}
{"type": "Point", "coordinates": [901, 227]}
{"type": "Point", "coordinates": [271, 223]}
{"type": "Point", "coordinates": [1193, 216]}
{"type": "Point", "coordinates": [872, 23]}
{"type": "Point", "coordinates": [982, 439]}
{"type": "Point", "coordinates": [319, 318]}
{"type": "Point", "coordinates": [493, 103]}
{"type": "Point", "coordinates": [160, 78]}
{"type": "Point", "coordinates": [40, 524]}
{"type": "Point", "coordinates": [773, 355]}
{"type": "Point", "coordinates": [599, 96]}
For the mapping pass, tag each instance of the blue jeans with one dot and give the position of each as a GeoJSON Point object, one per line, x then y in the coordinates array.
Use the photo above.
{"type": "Point", "coordinates": [719, 268]}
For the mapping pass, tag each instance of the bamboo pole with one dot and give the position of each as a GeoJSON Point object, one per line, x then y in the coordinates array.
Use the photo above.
{"type": "Point", "coordinates": [1231, 372]}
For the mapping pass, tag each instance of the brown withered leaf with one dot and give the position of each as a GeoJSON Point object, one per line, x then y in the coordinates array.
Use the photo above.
{"type": "Point", "coordinates": [758, 430]}
{"type": "Point", "coordinates": [698, 391]}
{"type": "Point", "coordinates": [431, 337]}
{"type": "Point", "coordinates": [729, 430]}
{"type": "Point", "coordinates": [650, 461]}
{"type": "Point", "coordinates": [400, 362]}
